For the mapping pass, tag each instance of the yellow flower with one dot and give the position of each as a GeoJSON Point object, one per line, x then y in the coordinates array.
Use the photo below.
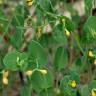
{"type": "Point", "coordinates": [93, 92]}
{"type": "Point", "coordinates": [29, 73]}
{"type": "Point", "coordinates": [73, 84]}
{"type": "Point", "coordinates": [30, 2]}
{"type": "Point", "coordinates": [5, 81]}
{"type": "Point", "coordinates": [5, 77]}
{"type": "Point", "coordinates": [44, 72]}
{"type": "Point", "coordinates": [67, 33]}
{"type": "Point", "coordinates": [90, 54]}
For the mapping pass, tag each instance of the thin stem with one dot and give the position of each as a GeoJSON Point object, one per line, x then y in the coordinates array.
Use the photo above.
{"type": "Point", "coordinates": [78, 43]}
{"type": "Point", "coordinates": [37, 63]}
{"type": "Point", "coordinates": [45, 82]}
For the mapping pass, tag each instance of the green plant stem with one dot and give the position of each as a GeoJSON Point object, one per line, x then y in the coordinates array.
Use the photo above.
{"type": "Point", "coordinates": [45, 82]}
{"type": "Point", "coordinates": [77, 41]}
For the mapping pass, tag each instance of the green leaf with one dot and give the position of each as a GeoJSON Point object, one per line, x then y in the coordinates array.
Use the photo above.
{"type": "Point", "coordinates": [10, 60]}
{"type": "Point", "coordinates": [19, 15]}
{"type": "Point", "coordinates": [37, 54]}
{"type": "Point", "coordinates": [18, 18]}
{"type": "Point", "coordinates": [90, 30]}
{"type": "Point", "coordinates": [21, 10]}
{"type": "Point", "coordinates": [70, 26]}
{"type": "Point", "coordinates": [61, 58]}
{"type": "Point", "coordinates": [3, 22]}
{"type": "Point", "coordinates": [17, 43]}
{"type": "Point", "coordinates": [46, 40]}
{"type": "Point", "coordinates": [48, 92]}
{"type": "Point", "coordinates": [64, 83]}
{"type": "Point", "coordinates": [15, 61]}
{"type": "Point", "coordinates": [74, 76]}
{"type": "Point", "coordinates": [88, 6]}
{"type": "Point", "coordinates": [92, 84]}
{"type": "Point", "coordinates": [41, 82]}
{"type": "Point", "coordinates": [58, 34]}
{"type": "Point", "coordinates": [26, 91]}
{"type": "Point", "coordinates": [42, 9]}
{"type": "Point", "coordinates": [79, 64]}
{"type": "Point", "coordinates": [65, 87]}
{"type": "Point", "coordinates": [85, 91]}
{"type": "Point", "coordinates": [46, 5]}
{"type": "Point", "coordinates": [68, 23]}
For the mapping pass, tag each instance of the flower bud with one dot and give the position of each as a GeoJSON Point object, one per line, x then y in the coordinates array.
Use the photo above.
{"type": "Point", "coordinates": [44, 72]}
{"type": "Point", "coordinates": [67, 33]}
{"type": "Point", "coordinates": [5, 81]}
{"type": "Point", "coordinates": [90, 54]}
{"type": "Point", "coordinates": [93, 92]}
{"type": "Point", "coordinates": [29, 73]}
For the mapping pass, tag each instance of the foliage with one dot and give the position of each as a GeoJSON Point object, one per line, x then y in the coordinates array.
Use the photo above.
{"type": "Point", "coordinates": [53, 54]}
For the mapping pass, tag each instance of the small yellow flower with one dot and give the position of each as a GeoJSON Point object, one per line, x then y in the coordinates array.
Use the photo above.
{"type": "Point", "coordinates": [30, 2]}
{"type": "Point", "coordinates": [73, 84]}
{"type": "Point", "coordinates": [5, 77]}
{"type": "Point", "coordinates": [67, 33]}
{"type": "Point", "coordinates": [29, 73]}
{"type": "Point", "coordinates": [5, 81]}
{"type": "Point", "coordinates": [93, 92]}
{"type": "Point", "coordinates": [90, 54]}
{"type": "Point", "coordinates": [44, 72]}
